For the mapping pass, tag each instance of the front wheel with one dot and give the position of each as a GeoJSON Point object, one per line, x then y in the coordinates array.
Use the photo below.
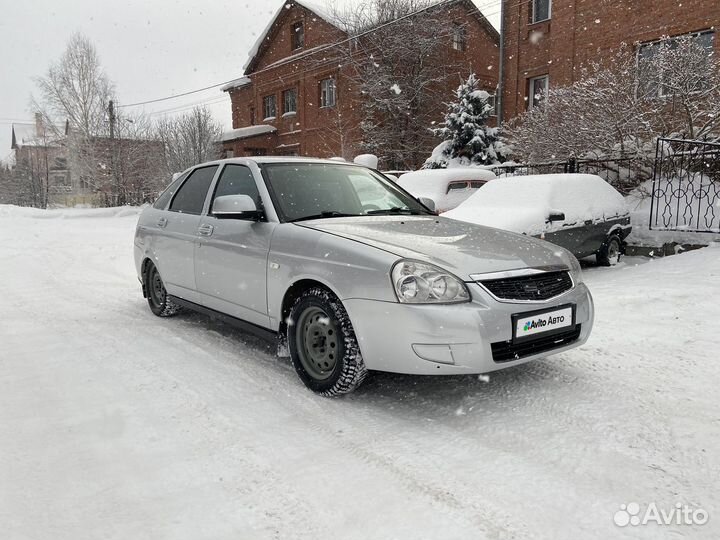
{"type": "Point", "coordinates": [157, 296]}
{"type": "Point", "coordinates": [323, 347]}
{"type": "Point", "coordinates": [609, 254]}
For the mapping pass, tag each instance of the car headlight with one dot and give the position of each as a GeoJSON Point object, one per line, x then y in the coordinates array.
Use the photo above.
{"type": "Point", "coordinates": [421, 283]}
{"type": "Point", "coordinates": [574, 266]}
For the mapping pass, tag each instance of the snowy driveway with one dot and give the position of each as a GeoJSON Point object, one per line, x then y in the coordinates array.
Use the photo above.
{"type": "Point", "coordinates": [115, 424]}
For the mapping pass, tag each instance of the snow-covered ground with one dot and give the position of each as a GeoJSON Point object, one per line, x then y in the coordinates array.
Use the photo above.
{"type": "Point", "coordinates": [115, 424]}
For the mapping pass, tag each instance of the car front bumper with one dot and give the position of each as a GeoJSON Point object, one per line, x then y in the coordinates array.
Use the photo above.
{"type": "Point", "coordinates": [452, 339]}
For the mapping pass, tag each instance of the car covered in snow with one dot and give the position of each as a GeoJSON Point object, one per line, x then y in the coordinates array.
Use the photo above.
{"type": "Point", "coordinates": [447, 188]}
{"type": "Point", "coordinates": [580, 212]}
{"type": "Point", "coordinates": [352, 279]}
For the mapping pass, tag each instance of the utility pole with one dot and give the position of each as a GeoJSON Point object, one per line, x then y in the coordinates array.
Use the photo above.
{"type": "Point", "coordinates": [112, 119]}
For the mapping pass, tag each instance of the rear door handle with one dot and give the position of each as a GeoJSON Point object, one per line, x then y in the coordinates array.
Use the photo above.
{"type": "Point", "coordinates": [206, 229]}
{"type": "Point", "coordinates": [162, 222]}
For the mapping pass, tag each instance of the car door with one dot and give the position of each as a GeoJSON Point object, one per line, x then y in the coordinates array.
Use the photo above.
{"type": "Point", "coordinates": [177, 230]}
{"type": "Point", "coordinates": [232, 254]}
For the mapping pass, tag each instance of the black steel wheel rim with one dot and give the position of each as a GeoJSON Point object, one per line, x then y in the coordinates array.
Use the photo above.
{"type": "Point", "coordinates": [317, 343]}
{"type": "Point", "coordinates": [156, 288]}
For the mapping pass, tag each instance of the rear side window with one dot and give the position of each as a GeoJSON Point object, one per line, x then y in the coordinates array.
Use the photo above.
{"type": "Point", "coordinates": [164, 198]}
{"type": "Point", "coordinates": [452, 186]}
{"type": "Point", "coordinates": [190, 198]}
{"type": "Point", "coordinates": [237, 180]}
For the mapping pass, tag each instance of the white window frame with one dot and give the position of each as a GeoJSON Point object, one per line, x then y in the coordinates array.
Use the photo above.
{"type": "Point", "coordinates": [285, 95]}
{"type": "Point", "coordinates": [531, 85]}
{"type": "Point", "coordinates": [459, 41]}
{"type": "Point", "coordinates": [328, 93]}
{"type": "Point", "coordinates": [295, 44]}
{"type": "Point", "coordinates": [266, 112]}
{"type": "Point", "coordinates": [534, 11]}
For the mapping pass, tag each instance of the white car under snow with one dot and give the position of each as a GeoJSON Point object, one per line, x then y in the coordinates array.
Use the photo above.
{"type": "Point", "coordinates": [446, 187]}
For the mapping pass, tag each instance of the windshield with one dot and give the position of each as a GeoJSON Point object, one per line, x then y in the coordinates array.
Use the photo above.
{"type": "Point", "coordinates": [320, 190]}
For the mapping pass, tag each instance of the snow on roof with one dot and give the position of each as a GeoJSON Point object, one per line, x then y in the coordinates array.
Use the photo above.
{"type": "Point", "coordinates": [237, 83]}
{"type": "Point", "coordinates": [322, 12]}
{"type": "Point", "coordinates": [26, 135]}
{"type": "Point", "coordinates": [245, 132]}
{"type": "Point", "coordinates": [523, 203]}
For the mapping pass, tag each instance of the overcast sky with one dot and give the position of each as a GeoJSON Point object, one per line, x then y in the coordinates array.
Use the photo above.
{"type": "Point", "coordinates": [150, 49]}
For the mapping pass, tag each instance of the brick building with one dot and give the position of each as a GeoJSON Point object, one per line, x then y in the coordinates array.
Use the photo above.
{"type": "Point", "coordinates": [546, 42]}
{"type": "Point", "coordinates": [288, 103]}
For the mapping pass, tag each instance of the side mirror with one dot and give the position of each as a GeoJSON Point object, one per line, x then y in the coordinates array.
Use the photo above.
{"type": "Point", "coordinates": [556, 216]}
{"type": "Point", "coordinates": [235, 207]}
{"type": "Point", "coordinates": [428, 203]}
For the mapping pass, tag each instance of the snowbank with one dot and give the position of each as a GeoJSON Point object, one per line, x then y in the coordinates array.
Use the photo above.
{"type": "Point", "coordinates": [8, 210]}
{"type": "Point", "coordinates": [523, 203]}
{"type": "Point", "coordinates": [433, 184]}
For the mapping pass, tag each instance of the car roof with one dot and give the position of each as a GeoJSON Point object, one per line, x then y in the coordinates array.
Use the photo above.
{"type": "Point", "coordinates": [278, 159]}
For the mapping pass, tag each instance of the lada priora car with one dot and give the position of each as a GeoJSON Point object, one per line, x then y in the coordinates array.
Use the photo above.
{"type": "Point", "coordinates": [289, 247]}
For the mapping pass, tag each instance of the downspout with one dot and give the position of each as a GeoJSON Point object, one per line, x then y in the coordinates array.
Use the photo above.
{"type": "Point", "coordinates": [501, 85]}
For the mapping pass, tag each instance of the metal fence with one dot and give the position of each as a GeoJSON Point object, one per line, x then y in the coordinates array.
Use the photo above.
{"type": "Point", "coordinates": [623, 173]}
{"type": "Point", "coordinates": [686, 186]}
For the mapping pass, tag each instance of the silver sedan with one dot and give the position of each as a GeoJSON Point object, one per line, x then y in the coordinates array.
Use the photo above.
{"type": "Point", "coordinates": [351, 273]}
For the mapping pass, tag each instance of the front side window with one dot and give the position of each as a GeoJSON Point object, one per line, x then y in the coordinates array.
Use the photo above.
{"type": "Point", "coordinates": [541, 10]}
{"type": "Point", "coordinates": [537, 90]}
{"type": "Point", "coordinates": [191, 196]}
{"type": "Point", "coordinates": [269, 107]}
{"type": "Point", "coordinates": [237, 180]}
{"type": "Point", "coordinates": [297, 35]}
{"type": "Point", "coordinates": [458, 37]}
{"type": "Point", "coordinates": [290, 101]}
{"type": "Point", "coordinates": [327, 93]}
{"type": "Point", "coordinates": [317, 190]}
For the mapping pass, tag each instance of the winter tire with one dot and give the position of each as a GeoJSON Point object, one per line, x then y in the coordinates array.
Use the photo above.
{"type": "Point", "coordinates": [610, 252]}
{"type": "Point", "coordinates": [323, 347]}
{"type": "Point", "coordinates": [157, 296]}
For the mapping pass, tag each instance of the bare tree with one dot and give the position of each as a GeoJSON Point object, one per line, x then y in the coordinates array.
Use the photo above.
{"type": "Point", "coordinates": [619, 107]}
{"type": "Point", "coordinates": [188, 139]}
{"type": "Point", "coordinates": [401, 74]}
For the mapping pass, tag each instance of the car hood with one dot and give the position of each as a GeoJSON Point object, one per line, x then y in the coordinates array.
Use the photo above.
{"type": "Point", "coordinates": [459, 247]}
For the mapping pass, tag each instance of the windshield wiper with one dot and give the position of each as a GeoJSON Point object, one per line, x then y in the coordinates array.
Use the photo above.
{"type": "Point", "coordinates": [324, 214]}
{"type": "Point", "coordinates": [393, 210]}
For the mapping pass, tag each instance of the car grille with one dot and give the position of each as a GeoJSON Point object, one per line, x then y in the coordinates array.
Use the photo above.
{"type": "Point", "coordinates": [507, 351]}
{"type": "Point", "coordinates": [534, 287]}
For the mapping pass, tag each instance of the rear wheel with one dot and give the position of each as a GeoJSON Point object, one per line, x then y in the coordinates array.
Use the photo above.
{"type": "Point", "coordinates": [157, 296]}
{"type": "Point", "coordinates": [610, 252]}
{"type": "Point", "coordinates": [323, 347]}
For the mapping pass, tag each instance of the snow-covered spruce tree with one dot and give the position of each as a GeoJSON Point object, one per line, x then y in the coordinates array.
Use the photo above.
{"type": "Point", "coordinates": [467, 139]}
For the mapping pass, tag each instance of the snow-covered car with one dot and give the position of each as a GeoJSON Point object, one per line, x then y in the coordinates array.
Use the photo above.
{"type": "Point", "coordinates": [580, 212]}
{"type": "Point", "coordinates": [446, 187]}
{"type": "Point", "coordinates": [351, 278]}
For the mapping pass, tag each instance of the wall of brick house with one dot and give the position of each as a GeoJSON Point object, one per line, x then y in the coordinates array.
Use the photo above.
{"type": "Point", "coordinates": [581, 31]}
{"type": "Point", "coordinates": [335, 131]}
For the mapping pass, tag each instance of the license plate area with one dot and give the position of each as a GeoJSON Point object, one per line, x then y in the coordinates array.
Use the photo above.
{"type": "Point", "coordinates": [543, 322]}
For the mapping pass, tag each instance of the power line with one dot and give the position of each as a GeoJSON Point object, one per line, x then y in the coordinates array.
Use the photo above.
{"type": "Point", "coordinates": [309, 53]}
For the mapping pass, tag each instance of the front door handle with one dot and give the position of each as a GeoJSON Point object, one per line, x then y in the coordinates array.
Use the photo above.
{"type": "Point", "coordinates": [206, 229]}
{"type": "Point", "coordinates": [162, 222]}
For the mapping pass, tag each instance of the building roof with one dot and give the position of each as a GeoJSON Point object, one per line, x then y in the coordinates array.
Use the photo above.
{"type": "Point", "coordinates": [321, 12]}
{"type": "Point", "coordinates": [247, 132]}
{"type": "Point", "coordinates": [25, 134]}
{"type": "Point", "coordinates": [237, 83]}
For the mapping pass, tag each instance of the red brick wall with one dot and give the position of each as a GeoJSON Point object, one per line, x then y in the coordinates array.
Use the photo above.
{"type": "Point", "coordinates": [331, 131]}
{"type": "Point", "coordinates": [580, 31]}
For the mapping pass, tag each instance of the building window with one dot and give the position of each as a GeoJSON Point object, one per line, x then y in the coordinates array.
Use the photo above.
{"type": "Point", "coordinates": [459, 38]}
{"type": "Point", "coordinates": [290, 101]}
{"type": "Point", "coordinates": [229, 153]}
{"type": "Point", "coordinates": [327, 93]}
{"type": "Point", "coordinates": [252, 116]}
{"type": "Point", "coordinates": [537, 90]}
{"type": "Point", "coordinates": [269, 107]}
{"type": "Point", "coordinates": [492, 101]}
{"type": "Point", "coordinates": [656, 75]}
{"type": "Point", "coordinates": [541, 10]}
{"type": "Point", "coordinates": [297, 35]}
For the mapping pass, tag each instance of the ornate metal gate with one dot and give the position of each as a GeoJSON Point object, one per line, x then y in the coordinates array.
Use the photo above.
{"type": "Point", "coordinates": [686, 186]}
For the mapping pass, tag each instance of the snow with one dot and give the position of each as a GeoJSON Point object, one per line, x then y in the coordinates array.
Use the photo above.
{"type": "Point", "coordinates": [433, 184]}
{"type": "Point", "coordinates": [117, 424]}
{"type": "Point", "coordinates": [245, 132]}
{"type": "Point", "coordinates": [237, 83]}
{"type": "Point", "coordinates": [523, 203]}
